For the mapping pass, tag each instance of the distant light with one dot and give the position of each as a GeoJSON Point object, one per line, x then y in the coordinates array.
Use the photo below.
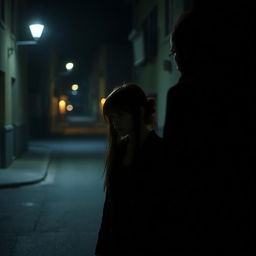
{"type": "Point", "coordinates": [36, 30]}
{"type": "Point", "coordinates": [62, 102]}
{"type": "Point", "coordinates": [102, 101]}
{"type": "Point", "coordinates": [74, 93]}
{"type": "Point", "coordinates": [75, 87]}
{"type": "Point", "coordinates": [69, 66]}
{"type": "Point", "coordinates": [62, 106]}
{"type": "Point", "coordinates": [70, 107]}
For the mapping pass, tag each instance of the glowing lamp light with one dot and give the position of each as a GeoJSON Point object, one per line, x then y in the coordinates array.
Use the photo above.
{"type": "Point", "coordinates": [36, 30]}
{"type": "Point", "coordinates": [70, 107]}
{"type": "Point", "coordinates": [75, 87]}
{"type": "Point", "coordinates": [69, 66]}
{"type": "Point", "coordinates": [102, 101]}
{"type": "Point", "coordinates": [62, 106]}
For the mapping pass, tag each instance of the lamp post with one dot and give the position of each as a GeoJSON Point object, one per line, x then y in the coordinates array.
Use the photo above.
{"type": "Point", "coordinates": [36, 32]}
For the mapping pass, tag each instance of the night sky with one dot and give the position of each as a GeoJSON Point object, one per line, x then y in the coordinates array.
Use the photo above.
{"type": "Point", "coordinates": [78, 28]}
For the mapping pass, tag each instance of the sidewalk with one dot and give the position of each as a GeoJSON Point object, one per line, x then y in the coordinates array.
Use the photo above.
{"type": "Point", "coordinates": [30, 168]}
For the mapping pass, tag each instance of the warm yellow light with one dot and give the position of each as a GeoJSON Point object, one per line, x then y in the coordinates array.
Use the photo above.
{"type": "Point", "coordinates": [62, 106]}
{"type": "Point", "coordinates": [75, 87]}
{"type": "Point", "coordinates": [102, 101]}
{"type": "Point", "coordinates": [62, 103]}
{"type": "Point", "coordinates": [69, 66]}
{"type": "Point", "coordinates": [70, 107]}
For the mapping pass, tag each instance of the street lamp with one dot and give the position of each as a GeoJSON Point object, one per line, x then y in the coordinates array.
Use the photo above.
{"type": "Point", "coordinates": [74, 87]}
{"type": "Point", "coordinates": [69, 66]}
{"type": "Point", "coordinates": [36, 32]}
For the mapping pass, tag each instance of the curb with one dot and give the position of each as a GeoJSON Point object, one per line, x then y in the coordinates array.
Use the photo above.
{"type": "Point", "coordinates": [30, 168]}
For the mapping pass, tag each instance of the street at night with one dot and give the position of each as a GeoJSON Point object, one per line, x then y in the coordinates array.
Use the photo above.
{"type": "Point", "coordinates": [60, 215]}
{"type": "Point", "coordinates": [127, 127]}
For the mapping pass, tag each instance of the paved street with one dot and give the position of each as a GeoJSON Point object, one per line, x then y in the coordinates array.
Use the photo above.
{"type": "Point", "coordinates": [61, 215]}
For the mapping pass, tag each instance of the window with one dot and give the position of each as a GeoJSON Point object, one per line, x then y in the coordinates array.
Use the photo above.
{"type": "Point", "coordinates": [2, 101]}
{"type": "Point", "coordinates": [168, 17]}
{"type": "Point", "coordinates": [144, 39]}
{"type": "Point", "coordinates": [150, 35]}
{"type": "Point", "coordinates": [137, 38]}
{"type": "Point", "coordinates": [2, 10]}
{"type": "Point", "coordinates": [13, 2]}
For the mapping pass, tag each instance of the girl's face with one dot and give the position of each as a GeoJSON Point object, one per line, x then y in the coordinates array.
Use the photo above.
{"type": "Point", "coordinates": [122, 122]}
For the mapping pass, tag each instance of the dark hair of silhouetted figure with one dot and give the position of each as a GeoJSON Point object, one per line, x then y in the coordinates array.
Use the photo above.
{"type": "Point", "coordinates": [193, 41]}
{"type": "Point", "coordinates": [128, 98]}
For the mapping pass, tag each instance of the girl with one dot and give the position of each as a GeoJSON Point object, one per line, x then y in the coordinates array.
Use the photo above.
{"type": "Point", "coordinates": [133, 208]}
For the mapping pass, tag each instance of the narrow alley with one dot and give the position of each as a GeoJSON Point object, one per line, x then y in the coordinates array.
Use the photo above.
{"type": "Point", "coordinates": [163, 92]}
{"type": "Point", "coordinates": [60, 215]}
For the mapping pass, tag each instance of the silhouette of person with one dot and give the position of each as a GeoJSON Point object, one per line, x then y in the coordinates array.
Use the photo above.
{"type": "Point", "coordinates": [202, 134]}
{"type": "Point", "coordinates": [191, 133]}
{"type": "Point", "coordinates": [133, 214]}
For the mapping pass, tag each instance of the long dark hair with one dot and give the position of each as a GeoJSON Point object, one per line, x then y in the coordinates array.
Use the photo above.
{"type": "Point", "coordinates": [128, 98]}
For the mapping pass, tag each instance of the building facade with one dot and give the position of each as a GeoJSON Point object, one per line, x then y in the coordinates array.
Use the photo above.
{"type": "Point", "coordinates": [13, 117]}
{"type": "Point", "coordinates": [153, 70]}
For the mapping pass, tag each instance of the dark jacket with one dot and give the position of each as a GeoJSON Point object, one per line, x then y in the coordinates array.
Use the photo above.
{"type": "Point", "coordinates": [205, 145]}
{"type": "Point", "coordinates": [134, 215]}
{"type": "Point", "coordinates": [188, 135]}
